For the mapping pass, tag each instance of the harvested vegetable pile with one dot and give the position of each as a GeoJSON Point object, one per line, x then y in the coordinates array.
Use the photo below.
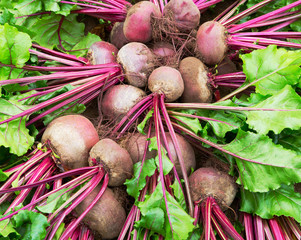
{"type": "Point", "coordinates": [153, 119]}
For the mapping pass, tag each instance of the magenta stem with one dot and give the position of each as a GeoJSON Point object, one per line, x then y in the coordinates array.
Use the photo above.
{"type": "Point", "coordinates": [228, 12]}
{"type": "Point", "coordinates": [179, 153]}
{"type": "Point", "coordinates": [248, 223]}
{"type": "Point", "coordinates": [244, 25]}
{"type": "Point", "coordinates": [224, 221]}
{"type": "Point", "coordinates": [157, 131]}
{"type": "Point", "coordinates": [276, 230]}
{"type": "Point", "coordinates": [53, 58]}
{"type": "Point", "coordinates": [246, 12]}
{"type": "Point", "coordinates": [60, 54]}
{"type": "Point", "coordinates": [91, 205]}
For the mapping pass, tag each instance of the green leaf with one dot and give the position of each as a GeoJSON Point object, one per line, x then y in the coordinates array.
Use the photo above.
{"type": "Point", "coordinates": [14, 47]}
{"type": "Point", "coordinates": [71, 32]}
{"type": "Point", "coordinates": [260, 148]}
{"type": "Point", "coordinates": [181, 222]}
{"type": "Point", "coordinates": [226, 120]}
{"type": "Point", "coordinates": [7, 227]}
{"type": "Point", "coordinates": [154, 220]}
{"type": "Point", "coordinates": [54, 201]}
{"type": "Point", "coordinates": [167, 164]}
{"type": "Point", "coordinates": [14, 135]}
{"type": "Point", "coordinates": [27, 7]}
{"type": "Point", "coordinates": [178, 194]}
{"type": "Point", "coordinates": [291, 140]}
{"type": "Point", "coordinates": [4, 175]}
{"type": "Point", "coordinates": [276, 121]}
{"type": "Point", "coordinates": [30, 225]}
{"type": "Point", "coordinates": [138, 182]}
{"type": "Point", "coordinates": [81, 48]}
{"type": "Point", "coordinates": [70, 108]}
{"type": "Point", "coordinates": [141, 125]}
{"type": "Point", "coordinates": [7, 17]}
{"type": "Point", "coordinates": [192, 123]}
{"type": "Point", "coordinates": [282, 68]}
{"type": "Point", "coordinates": [283, 201]}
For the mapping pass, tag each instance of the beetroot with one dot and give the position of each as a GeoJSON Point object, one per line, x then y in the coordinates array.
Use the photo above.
{"type": "Point", "coordinates": [168, 81]}
{"type": "Point", "coordinates": [117, 37]}
{"type": "Point", "coordinates": [137, 25]}
{"type": "Point", "coordinates": [136, 144]}
{"type": "Point", "coordinates": [119, 99]}
{"type": "Point", "coordinates": [115, 159]}
{"type": "Point", "coordinates": [137, 62]}
{"type": "Point", "coordinates": [196, 86]}
{"type": "Point", "coordinates": [163, 49]}
{"type": "Point", "coordinates": [211, 42]}
{"type": "Point", "coordinates": [102, 53]}
{"type": "Point", "coordinates": [205, 182]}
{"type": "Point", "coordinates": [71, 137]}
{"type": "Point", "coordinates": [106, 217]}
{"type": "Point", "coordinates": [184, 13]}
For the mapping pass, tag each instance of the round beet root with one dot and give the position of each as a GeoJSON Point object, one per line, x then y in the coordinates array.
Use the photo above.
{"type": "Point", "coordinates": [115, 159]}
{"type": "Point", "coordinates": [196, 87]}
{"type": "Point", "coordinates": [119, 99]}
{"type": "Point", "coordinates": [102, 53]}
{"type": "Point", "coordinates": [211, 42]}
{"type": "Point", "coordinates": [71, 137]}
{"type": "Point", "coordinates": [205, 182]}
{"type": "Point", "coordinates": [136, 144]}
{"type": "Point", "coordinates": [106, 217]}
{"type": "Point", "coordinates": [137, 61]}
{"type": "Point", "coordinates": [184, 13]}
{"type": "Point", "coordinates": [163, 49]}
{"type": "Point", "coordinates": [117, 37]}
{"type": "Point", "coordinates": [168, 81]}
{"type": "Point", "coordinates": [226, 66]}
{"type": "Point", "coordinates": [137, 25]}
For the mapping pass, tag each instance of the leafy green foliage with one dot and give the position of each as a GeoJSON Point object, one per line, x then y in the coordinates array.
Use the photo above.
{"type": "Point", "coordinates": [27, 7]}
{"type": "Point", "coordinates": [47, 30]}
{"type": "Point", "coordinates": [282, 68]}
{"type": "Point", "coordinates": [282, 201]}
{"type": "Point", "coordinates": [25, 225]}
{"type": "Point", "coordinates": [260, 148]}
{"type": "Point", "coordinates": [138, 182]}
{"type": "Point", "coordinates": [14, 135]}
{"type": "Point", "coordinates": [14, 47]}
{"type": "Point", "coordinates": [276, 121]}
{"type": "Point", "coordinates": [30, 225]}
{"type": "Point", "coordinates": [177, 225]}
{"type": "Point", "coordinates": [141, 125]}
{"type": "Point", "coordinates": [54, 201]}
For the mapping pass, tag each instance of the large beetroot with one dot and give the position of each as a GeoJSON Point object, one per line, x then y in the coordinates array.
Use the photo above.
{"type": "Point", "coordinates": [137, 25]}
{"type": "Point", "coordinates": [71, 137]}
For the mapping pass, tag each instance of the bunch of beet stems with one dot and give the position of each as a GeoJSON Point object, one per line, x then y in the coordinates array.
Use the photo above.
{"type": "Point", "coordinates": [88, 82]}
{"type": "Point", "coordinates": [41, 169]}
{"type": "Point", "coordinates": [213, 218]}
{"type": "Point", "coordinates": [156, 102]}
{"type": "Point", "coordinates": [278, 228]}
{"type": "Point", "coordinates": [81, 232]}
{"type": "Point", "coordinates": [237, 39]}
{"type": "Point", "coordinates": [109, 10]}
{"type": "Point", "coordinates": [231, 80]}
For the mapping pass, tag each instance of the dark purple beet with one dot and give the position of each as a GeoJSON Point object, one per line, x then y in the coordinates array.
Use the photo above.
{"type": "Point", "coordinates": [205, 182]}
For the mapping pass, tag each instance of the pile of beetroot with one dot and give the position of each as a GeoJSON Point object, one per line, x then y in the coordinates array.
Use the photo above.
{"type": "Point", "coordinates": [136, 172]}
